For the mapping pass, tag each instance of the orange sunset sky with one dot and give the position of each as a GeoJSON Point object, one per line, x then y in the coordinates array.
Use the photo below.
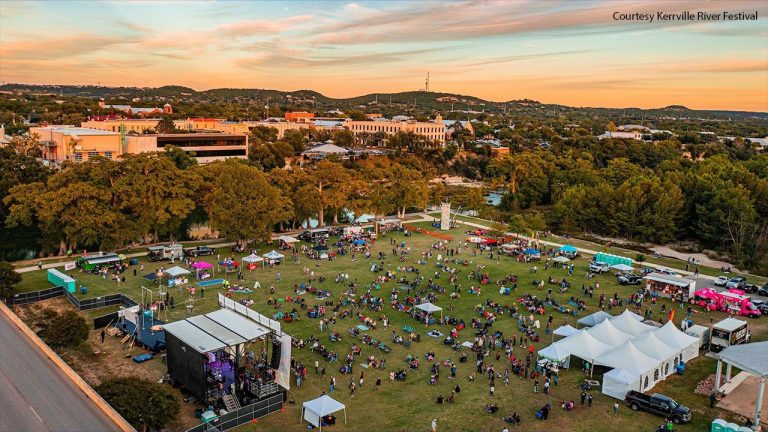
{"type": "Point", "coordinates": [555, 51]}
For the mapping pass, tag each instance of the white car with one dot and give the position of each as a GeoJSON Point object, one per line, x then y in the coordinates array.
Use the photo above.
{"type": "Point", "coordinates": [721, 281]}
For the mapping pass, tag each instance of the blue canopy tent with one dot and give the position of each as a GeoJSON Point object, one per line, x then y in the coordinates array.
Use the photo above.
{"type": "Point", "coordinates": [531, 252]}
{"type": "Point", "coordinates": [359, 242]}
{"type": "Point", "coordinates": [568, 249]}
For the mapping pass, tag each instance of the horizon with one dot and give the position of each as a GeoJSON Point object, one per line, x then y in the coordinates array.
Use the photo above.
{"type": "Point", "coordinates": [574, 54]}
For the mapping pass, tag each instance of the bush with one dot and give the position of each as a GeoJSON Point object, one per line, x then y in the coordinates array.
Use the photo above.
{"type": "Point", "coordinates": [62, 330]}
{"type": "Point", "coordinates": [144, 404]}
{"type": "Point", "coordinates": [639, 258]}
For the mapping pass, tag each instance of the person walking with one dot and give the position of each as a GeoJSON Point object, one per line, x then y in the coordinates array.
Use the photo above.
{"type": "Point", "coordinates": [583, 396]}
{"type": "Point", "coordinates": [492, 389]}
{"type": "Point", "coordinates": [352, 389]}
{"type": "Point", "coordinates": [712, 399]}
{"type": "Point", "coordinates": [615, 407]}
{"type": "Point", "coordinates": [434, 425]}
{"type": "Point", "coordinates": [332, 385]}
{"type": "Point", "coordinates": [546, 386]}
{"type": "Point", "coordinates": [589, 400]}
{"type": "Point", "coordinates": [103, 333]}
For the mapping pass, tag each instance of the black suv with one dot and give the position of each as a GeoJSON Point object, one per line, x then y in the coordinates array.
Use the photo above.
{"type": "Point", "coordinates": [199, 251]}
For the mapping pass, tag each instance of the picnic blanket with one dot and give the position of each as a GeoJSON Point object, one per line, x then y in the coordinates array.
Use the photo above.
{"type": "Point", "coordinates": [467, 344]}
{"type": "Point", "coordinates": [241, 291]}
{"type": "Point", "coordinates": [435, 333]}
{"type": "Point", "coordinates": [210, 282]}
{"type": "Point", "coordinates": [362, 327]}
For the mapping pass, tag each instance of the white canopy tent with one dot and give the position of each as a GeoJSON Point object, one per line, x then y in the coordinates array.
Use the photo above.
{"type": "Point", "coordinates": [313, 411]}
{"type": "Point", "coordinates": [584, 346]}
{"type": "Point", "coordinates": [628, 323]}
{"type": "Point", "coordinates": [674, 337]}
{"type": "Point", "coordinates": [557, 354]}
{"type": "Point", "coordinates": [653, 347]}
{"type": "Point", "coordinates": [560, 259]}
{"type": "Point", "coordinates": [594, 319]}
{"type": "Point", "coordinates": [622, 267]}
{"type": "Point", "coordinates": [288, 239]}
{"type": "Point", "coordinates": [430, 308]}
{"type": "Point", "coordinates": [628, 357]}
{"type": "Point", "coordinates": [566, 330]}
{"type": "Point", "coordinates": [252, 258]}
{"type": "Point", "coordinates": [607, 333]}
{"type": "Point", "coordinates": [274, 256]}
{"type": "Point", "coordinates": [176, 271]}
{"type": "Point", "coordinates": [618, 382]}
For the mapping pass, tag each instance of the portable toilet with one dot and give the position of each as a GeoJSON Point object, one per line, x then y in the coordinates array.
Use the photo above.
{"type": "Point", "coordinates": [718, 425]}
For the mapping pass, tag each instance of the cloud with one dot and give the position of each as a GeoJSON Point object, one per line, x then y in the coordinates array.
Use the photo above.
{"type": "Point", "coordinates": [277, 60]}
{"type": "Point", "coordinates": [58, 47]}
{"type": "Point", "coordinates": [262, 27]}
{"type": "Point", "coordinates": [719, 66]}
{"type": "Point", "coordinates": [514, 58]}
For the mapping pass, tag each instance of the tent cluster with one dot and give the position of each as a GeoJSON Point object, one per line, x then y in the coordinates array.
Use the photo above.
{"type": "Point", "coordinates": [641, 355]}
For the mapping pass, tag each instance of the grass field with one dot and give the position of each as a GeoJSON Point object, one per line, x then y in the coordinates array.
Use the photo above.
{"type": "Point", "coordinates": [408, 405]}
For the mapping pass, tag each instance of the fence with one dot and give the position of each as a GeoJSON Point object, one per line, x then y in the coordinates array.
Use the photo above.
{"type": "Point", "coordinates": [83, 305]}
{"type": "Point", "coordinates": [36, 296]}
{"type": "Point", "coordinates": [243, 415]}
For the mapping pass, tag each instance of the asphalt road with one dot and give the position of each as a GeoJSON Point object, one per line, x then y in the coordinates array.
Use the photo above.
{"type": "Point", "coordinates": [35, 395]}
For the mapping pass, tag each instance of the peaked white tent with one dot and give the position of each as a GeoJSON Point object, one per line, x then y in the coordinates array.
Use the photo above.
{"type": "Point", "coordinates": [557, 354]}
{"type": "Point", "coordinates": [627, 322]}
{"type": "Point", "coordinates": [650, 345]}
{"type": "Point", "coordinates": [622, 267]}
{"type": "Point", "coordinates": [253, 258]}
{"type": "Point", "coordinates": [274, 255]}
{"type": "Point", "coordinates": [560, 259]}
{"type": "Point", "coordinates": [584, 346]}
{"type": "Point", "coordinates": [312, 411]}
{"type": "Point", "coordinates": [566, 330]}
{"type": "Point", "coordinates": [607, 333]}
{"type": "Point", "coordinates": [430, 308]}
{"type": "Point", "coordinates": [633, 360]}
{"type": "Point", "coordinates": [594, 319]}
{"type": "Point", "coordinates": [176, 271]}
{"type": "Point", "coordinates": [618, 382]}
{"type": "Point", "coordinates": [674, 337]}
{"type": "Point", "coordinates": [288, 239]}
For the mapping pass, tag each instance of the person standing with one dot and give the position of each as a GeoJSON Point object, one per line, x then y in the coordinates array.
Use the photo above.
{"type": "Point", "coordinates": [492, 389]}
{"type": "Point", "coordinates": [332, 385]}
{"type": "Point", "coordinates": [583, 396]}
{"type": "Point", "coordinates": [615, 407]}
{"type": "Point", "coordinates": [378, 383]}
{"type": "Point", "coordinates": [589, 400]}
{"type": "Point", "coordinates": [352, 389]}
{"type": "Point", "coordinates": [103, 333]}
{"type": "Point", "coordinates": [434, 425]}
{"type": "Point", "coordinates": [317, 367]}
{"type": "Point", "coordinates": [712, 400]}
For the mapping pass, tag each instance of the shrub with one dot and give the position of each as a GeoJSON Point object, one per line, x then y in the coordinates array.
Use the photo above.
{"type": "Point", "coordinates": [144, 404]}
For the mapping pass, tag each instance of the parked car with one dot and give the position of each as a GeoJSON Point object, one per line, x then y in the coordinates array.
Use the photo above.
{"type": "Point", "coordinates": [599, 267]}
{"type": "Point", "coordinates": [630, 279]}
{"type": "Point", "coordinates": [667, 271]}
{"type": "Point", "coordinates": [736, 282]}
{"type": "Point", "coordinates": [763, 290]}
{"type": "Point", "coordinates": [199, 251]}
{"type": "Point", "coordinates": [239, 248]}
{"type": "Point", "coordinates": [658, 404]}
{"type": "Point", "coordinates": [761, 305]}
{"type": "Point", "coordinates": [752, 288]}
{"type": "Point", "coordinates": [721, 281]}
{"type": "Point", "coordinates": [647, 270]}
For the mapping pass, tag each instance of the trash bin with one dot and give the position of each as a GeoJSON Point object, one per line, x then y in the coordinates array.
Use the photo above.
{"type": "Point", "coordinates": [680, 368]}
{"type": "Point", "coordinates": [83, 290]}
{"type": "Point", "coordinates": [134, 261]}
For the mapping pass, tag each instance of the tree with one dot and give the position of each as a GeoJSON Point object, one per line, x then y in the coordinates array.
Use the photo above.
{"type": "Point", "coordinates": [179, 157]}
{"type": "Point", "coordinates": [26, 145]}
{"type": "Point", "coordinates": [243, 205]}
{"type": "Point", "coordinates": [357, 115]}
{"type": "Point", "coordinates": [297, 139]}
{"type": "Point", "coordinates": [8, 280]}
{"type": "Point", "coordinates": [343, 138]}
{"type": "Point", "coordinates": [165, 125]}
{"type": "Point", "coordinates": [65, 330]}
{"type": "Point", "coordinates": [332, 187]}
{"type": "Point", "coordinates": [144, 404]}
{"type": "Point", "coordinates": [611, 127]}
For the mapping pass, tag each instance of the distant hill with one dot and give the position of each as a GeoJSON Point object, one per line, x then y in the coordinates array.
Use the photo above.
{"type": "Point", "coordinates": [404, 101]}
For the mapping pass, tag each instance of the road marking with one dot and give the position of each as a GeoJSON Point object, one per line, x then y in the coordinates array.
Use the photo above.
{"type": "Point", "coordinates": [36, 414]}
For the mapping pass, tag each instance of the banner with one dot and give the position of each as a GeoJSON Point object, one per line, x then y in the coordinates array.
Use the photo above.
{"type": "Point", "coordinates": [69, 266]}
{"type": "Point", "coordinates": [283, 375]}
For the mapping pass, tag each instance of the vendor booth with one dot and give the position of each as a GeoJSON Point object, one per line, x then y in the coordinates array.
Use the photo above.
{"type": "Point", "coordinates": [319, 412]}
{"type": "Point", "coordinates": [566, 331]}
{"type": "Point", "coordinates": [175, 276]}
{"type": "Point", "coordinates": [532, 253]}
{"type": "Point", "coordinates": [669, 286]}
{"type": "Point", "coordinates": [320, 252]}
{"type": "Point", "coordinates": [561, 259]}
{"type": "Point", "coordinates": [274, 257]}
{"type": "Point", "coordinates": [622, 267]}
{"type": "Point", "coordinates": [674, 337]}
{"type": "Point", "coordinates": [631, 359]}
{"type": "Point", "coordinates": [568, 251]}
{"type": "Point", "coordinates": [288, 239]}
{"type": "Point", "coordinates": [556, 354]}
{"type": "Point", "coordinates": [618, 382]}
{"type": "Point", "coordinates": [252, 261]}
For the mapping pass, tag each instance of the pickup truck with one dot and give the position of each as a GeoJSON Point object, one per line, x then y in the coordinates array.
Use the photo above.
{"type": "Point", "coordinates": [199, 251]}
{"type": "Point", "coordinates": [630, 279]}
{"type": "Point", "coordinates": [598, 267]}
{"type": "Point", "coordinates": [658, 404]}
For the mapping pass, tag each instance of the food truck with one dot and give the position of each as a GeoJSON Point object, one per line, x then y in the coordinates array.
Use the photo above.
{"type": "Point", "coordinates": [674, 287]}
{"type": "Point", "coordinates": [728, 332]}
{"type": "Point", "coordinates": [732, 301]}
{"type": "Point", "coordinates": [96, 260]}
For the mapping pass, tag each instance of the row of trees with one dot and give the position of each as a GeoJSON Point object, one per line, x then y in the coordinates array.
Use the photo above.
{"type": "Point", "coordinates": [146, 197]}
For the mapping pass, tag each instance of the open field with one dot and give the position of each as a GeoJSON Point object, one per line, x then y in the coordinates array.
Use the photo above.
{"type": "Point", "coordinates": [408, 405]}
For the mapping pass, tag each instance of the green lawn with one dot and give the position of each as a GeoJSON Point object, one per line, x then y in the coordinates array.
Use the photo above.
{"type": "Point", "coordinates": [408, 405]}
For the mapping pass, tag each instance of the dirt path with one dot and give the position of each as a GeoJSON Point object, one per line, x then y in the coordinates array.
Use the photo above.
{"type": "Point", "coordinates": [703, 259]}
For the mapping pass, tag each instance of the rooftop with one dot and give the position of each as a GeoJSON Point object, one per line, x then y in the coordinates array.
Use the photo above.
{"type": "Point", "coordinates": [78, 131]}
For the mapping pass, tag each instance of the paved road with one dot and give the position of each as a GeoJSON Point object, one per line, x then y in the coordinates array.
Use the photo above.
{"type": "Point", "coordinates": [35, 396]}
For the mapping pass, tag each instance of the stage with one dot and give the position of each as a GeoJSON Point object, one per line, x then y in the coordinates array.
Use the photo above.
{"type": "Point", "coordinates": [153, 340]}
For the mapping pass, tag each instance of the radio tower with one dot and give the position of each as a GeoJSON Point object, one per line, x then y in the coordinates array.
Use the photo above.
{"type": "Point", "coordinates": [426, 85]}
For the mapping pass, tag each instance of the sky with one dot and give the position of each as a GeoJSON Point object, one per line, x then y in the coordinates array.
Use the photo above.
{"type": "Point", "coordinates": [554, 51]}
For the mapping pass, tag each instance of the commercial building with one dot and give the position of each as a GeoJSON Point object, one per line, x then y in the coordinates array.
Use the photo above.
{"type": "Point", "coordinates": [140, 126]}
{"type": "Point", "coordinates": [299, 117]}
{"type": "Point", "coordinates": [141, 112]}
{"type": "Point", "coordinates": [207, 147]}
{"type": "Point", "coordinates": [77, 144]}
{"type": "Point", "coordinates": [136, 126]}
{"type": "Point", "coordinates": [434, 131]}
